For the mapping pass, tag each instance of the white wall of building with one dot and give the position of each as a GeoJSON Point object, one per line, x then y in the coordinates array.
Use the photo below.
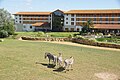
{"type": "Point", "coordinates": [67, 22]}
{"type": "Point", "coordinates": [19, 27]}
{"type": "Point", "coordinates": [28, 27]}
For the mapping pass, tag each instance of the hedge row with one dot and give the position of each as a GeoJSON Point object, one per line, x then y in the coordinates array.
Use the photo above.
{"type": "Point", "coordinates": [93, 43]}
{"type": "Point", "coordinates": [46, 39]}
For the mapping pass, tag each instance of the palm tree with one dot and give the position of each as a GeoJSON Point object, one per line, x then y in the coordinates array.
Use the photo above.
{"type": "Point", "coordinates": [87, 26]}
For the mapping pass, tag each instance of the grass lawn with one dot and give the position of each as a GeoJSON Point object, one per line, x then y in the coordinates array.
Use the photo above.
{"type": "Point", "coordinates": [52, 34]}
{"type": "Point", "coordinates": [18, 61]}
{"type": "Point", "coordinates": [109, 40]}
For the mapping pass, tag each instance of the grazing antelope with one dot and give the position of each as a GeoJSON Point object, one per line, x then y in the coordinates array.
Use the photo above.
{"type": "Point", "coordinates": [51, 57]}
{"type": "Point", "coordinates": [68, 63]}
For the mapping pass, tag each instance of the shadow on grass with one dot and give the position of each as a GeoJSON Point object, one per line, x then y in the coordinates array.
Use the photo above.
{"type": "Point", "coordinates": [47, 65]}
{"type": "Point", "coordinates": [60, 69]}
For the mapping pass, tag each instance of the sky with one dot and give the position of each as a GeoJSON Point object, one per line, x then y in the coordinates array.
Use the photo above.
{"type": "Point", "coordinates": [14, 6]}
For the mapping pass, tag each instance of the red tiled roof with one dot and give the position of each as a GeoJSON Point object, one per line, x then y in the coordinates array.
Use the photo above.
{"type": "Point", "coordinates": [32, 13]}
{"type": "Point", "coordinates": [107, 26]}
{"type": "Point", "coordinates": [39, 24]}
{"type": "Point", "coordinates": [92, 11]}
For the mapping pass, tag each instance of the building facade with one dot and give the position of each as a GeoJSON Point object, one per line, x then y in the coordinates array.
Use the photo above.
{"type": "Point", "coordinates": [31, 21]}
{"type": "Point", "coordinates": [73, 20]}
{"type": "Point", "coordinates": [103, 20]}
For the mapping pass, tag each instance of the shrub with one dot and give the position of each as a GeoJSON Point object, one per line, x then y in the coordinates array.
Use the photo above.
{"type": "Point", "coordinates": [1, 40]}
{"type": "Point", "coordinates": [39, 34]}
{"type": "Point", "coordinates": [14, 36]}
{"type": "Point", "coordinates": [100, 39]}
{"type": "Point", "coordinates": [3, 34]}
{"type": "Point", "coordinates": [100, 34]}
{"type": "Point", "coordinates": [70, 36]}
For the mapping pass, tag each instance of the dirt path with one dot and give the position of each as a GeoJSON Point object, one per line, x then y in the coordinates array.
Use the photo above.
{"type": "Point", "coordinates": [76, 44]}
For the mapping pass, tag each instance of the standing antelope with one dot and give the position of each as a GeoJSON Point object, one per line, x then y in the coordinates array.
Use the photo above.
{"type": "Point", "coordinates": [59, 60]}
{"type": "Point", "coordinates": [68, 63]}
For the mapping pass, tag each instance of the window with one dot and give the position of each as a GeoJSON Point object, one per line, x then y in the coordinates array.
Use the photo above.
{"type": "Point", "coordinates": [107, 19]}
{"type": "Point", "coordinates": [72, 23]}
{"type": "Point", "coordinates": [72, 29]}
{"type": "Point", "coordinates": [66, 18]}
{"type": "Point", "coordinates": [66, 14]}
{"type": "Point", "coordinates": [66, 29]}
{"type": "Point", "coordinates": [77, 15]}
{"type": "Point", "coordinates": [94, 19]}
{"type": "Point", "coordinates": [112, 19]}
{"type": "Point", "coordinates": [119, 19]}
{"type": "Point", "coordinates": [94, 15]}
{"type": "Point", "coordinates": [30, 27]}
{"type": "Point", "coordinates": [72, 19]}
{"type": "Point", "coordinates": [72, 15]}
{"type": "Point", "coordinates": [78, 23]}
{"type": "Point", "coordinates": [20, 18]}
{"type": "Point", "coordinates": [24, 26]}
{"type": "Point", "coordinates": [113, 15]}
{"type": "Point", "coordinates": [83, 19]}
{"type": "Point", "coordinates": [19, 21]}
{"type": "Point", "coordinates": [78, 29]}
{"type": "Point", "coordinates": [19, 15]}
{"type": "Point", "coordinates": [77, 19]}
{"type": "Point", "coordinates": [107, 15]}
{"type": "Point", "coordinates": [66, 22]}
{"type": "Point", "coordinates": [91, 15]}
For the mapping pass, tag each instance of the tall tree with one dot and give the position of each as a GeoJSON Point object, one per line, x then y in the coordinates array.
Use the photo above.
{"type": "Point", "coordinates": [6, 22]}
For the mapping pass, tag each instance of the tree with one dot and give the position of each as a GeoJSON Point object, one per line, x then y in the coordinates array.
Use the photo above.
{"type": "Point", "coordinates": [6, 22]}
{"type": "Point", "coordinates": [87, 26]}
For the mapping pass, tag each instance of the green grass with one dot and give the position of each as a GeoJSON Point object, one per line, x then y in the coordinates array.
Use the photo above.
{"type": "Point", "coordinates": [52, 34]}
{"type": "Point", "coordinates": [61, 34]}
{"type": "Point", "coordinates": [18, 61]}
{"type": "Point", "coordinates": [110, 40]}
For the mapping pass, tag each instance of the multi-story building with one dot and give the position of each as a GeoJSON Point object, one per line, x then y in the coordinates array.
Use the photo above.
{"type": "Point", "coordinates": [31, 21]}
{"type": "Point", "coordinates": [39, 21]}
{"type": "Point", "coordinates": [103, 20]}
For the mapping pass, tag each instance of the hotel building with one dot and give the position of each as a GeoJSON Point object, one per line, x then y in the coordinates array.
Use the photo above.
{"type": "Point", "coordinates": [103, 20]}
{"type": "Point", "coordinates": [31, 21]}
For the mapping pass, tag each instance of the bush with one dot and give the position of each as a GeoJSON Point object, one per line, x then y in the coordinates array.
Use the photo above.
{"type": "Point", "coordinates": [100, 34]}
{"type": "Point", "coordinates": [100, 39]}
{"type": "Point", "coordinates": [3, 34]}
{"type": "Point", "coordinates": [14, 36]}
{"type": "Point", "coordinates": [70, 36]}
{"type": "Point", "coordinates": [39, 34]}
{"type": "Point", "coordinates": [1, 40]}
{"type": "Point", "coordinates": [80, 37]}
